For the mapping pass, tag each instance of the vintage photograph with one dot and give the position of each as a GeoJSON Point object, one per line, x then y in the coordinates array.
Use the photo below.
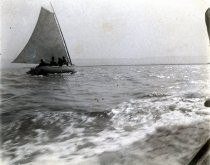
{"type": "Point", "coordinates": [105, 82]}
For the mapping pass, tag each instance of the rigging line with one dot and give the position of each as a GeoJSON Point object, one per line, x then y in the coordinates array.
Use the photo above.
{"type": "Point", "coordinates": [61, 34]}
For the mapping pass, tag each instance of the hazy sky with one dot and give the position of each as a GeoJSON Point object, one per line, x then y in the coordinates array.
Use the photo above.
{"type": "Point", "coordinates": [133, 29]}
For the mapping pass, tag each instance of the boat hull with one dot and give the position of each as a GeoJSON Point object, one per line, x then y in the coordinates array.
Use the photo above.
{"type": "Point", "coordinates": [45, 70]}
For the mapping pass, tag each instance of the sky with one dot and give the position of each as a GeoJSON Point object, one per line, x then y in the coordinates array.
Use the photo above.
{"type": "Point", "coordinates": [114, 31]}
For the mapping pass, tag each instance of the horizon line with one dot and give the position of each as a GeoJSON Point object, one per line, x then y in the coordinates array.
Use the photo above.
{"type": "Point", "coordinates": [143, 64]}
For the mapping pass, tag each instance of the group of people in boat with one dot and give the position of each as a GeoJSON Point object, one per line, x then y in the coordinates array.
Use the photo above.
{"type": "Point", "coordinates": [61, 61]}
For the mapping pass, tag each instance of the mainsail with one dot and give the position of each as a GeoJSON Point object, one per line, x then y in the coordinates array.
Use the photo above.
{"type": "Point", "coordinates": [46, 41]}
{"type": "Point", "coordinates": [207, 15]}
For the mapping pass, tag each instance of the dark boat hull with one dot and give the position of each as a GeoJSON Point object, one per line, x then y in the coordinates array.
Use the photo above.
{"type": "Point", "coordinates": [45, 70]}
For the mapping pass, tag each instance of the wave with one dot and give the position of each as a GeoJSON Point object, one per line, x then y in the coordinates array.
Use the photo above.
{"type": "Point", "coordinates": [148, 126]}
{"type": "Point", "coordinates": [148, 95]}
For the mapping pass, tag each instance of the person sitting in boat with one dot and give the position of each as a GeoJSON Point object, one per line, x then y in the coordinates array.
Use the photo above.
{"type": "Point", "coordinates": [64, 61]}
{"type": "Point", "coordinates": [52, 62]}
{"type": "Point", "coordinates": [60, 61]}
{"type": "Point", "coordinates": [43, 63]}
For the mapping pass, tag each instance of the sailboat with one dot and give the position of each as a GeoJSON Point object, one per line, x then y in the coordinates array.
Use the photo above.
{"type": "Point", "coordinates": [46, 41]}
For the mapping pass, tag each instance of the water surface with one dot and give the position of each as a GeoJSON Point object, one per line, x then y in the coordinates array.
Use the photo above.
{"type": "Point", "coordinates": [105, 115]}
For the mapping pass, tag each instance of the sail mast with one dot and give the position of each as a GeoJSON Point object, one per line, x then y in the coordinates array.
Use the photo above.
{"type": "Point", "coordinates": [61, 34]}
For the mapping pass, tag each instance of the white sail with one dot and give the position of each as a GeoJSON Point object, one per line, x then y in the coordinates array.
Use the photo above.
{"type": "Point", "coordinates": [207, 15]}
{"type": "Point", "coordinates": [46, 41]}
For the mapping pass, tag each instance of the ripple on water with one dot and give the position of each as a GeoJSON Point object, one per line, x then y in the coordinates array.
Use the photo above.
{"type": "Point", "coordinates": [75, 125]}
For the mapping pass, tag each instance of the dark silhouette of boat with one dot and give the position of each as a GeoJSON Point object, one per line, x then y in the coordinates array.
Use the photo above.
{"type": "Point", "coordinates": [46, 41]}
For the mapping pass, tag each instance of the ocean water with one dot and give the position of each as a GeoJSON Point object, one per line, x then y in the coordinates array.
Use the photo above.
{"type": "Point", "coordinates": [105, 115]}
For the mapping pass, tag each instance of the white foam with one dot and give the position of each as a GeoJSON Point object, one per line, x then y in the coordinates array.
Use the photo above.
{"type": "Point", "coordinates": [131, 122]}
